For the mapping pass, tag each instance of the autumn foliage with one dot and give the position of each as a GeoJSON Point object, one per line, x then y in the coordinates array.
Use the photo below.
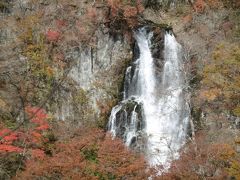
{"type": "Point", "coordinates": [203, 160]}
{"type": "Point", "coordinates": [121, 11]}
{"type": "Point", "coordinates": [30, 139]}
{"type": "Point", "coordinates": [89, 154]}
{"type": "Point", "coordinates": [53, 35]}
{"type": "Point", "coordinates": [199, 6]}
{"type": "Point", "coordinates": [221, 78]}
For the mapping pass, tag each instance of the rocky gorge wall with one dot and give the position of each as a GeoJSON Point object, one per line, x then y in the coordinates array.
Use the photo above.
{"type": "Point", "coordinates": [93, 73]}
{"type": "Point", "coordinates": [69, 57]}
{"type": "Point", "coordinates": [98, 74]}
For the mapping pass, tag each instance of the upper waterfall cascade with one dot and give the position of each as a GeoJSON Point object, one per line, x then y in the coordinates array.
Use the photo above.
{"type": "Point", "coordinates": [153, 115]}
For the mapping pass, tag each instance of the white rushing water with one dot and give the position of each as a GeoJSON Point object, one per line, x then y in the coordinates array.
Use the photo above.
{"type": "Point", "coordinates": [153, 108]}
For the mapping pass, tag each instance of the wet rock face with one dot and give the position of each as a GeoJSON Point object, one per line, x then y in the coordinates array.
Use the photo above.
{"type": "Point", "coordinates": [125, 113]}
{"type": "Point", "coordinates": [130, 118]}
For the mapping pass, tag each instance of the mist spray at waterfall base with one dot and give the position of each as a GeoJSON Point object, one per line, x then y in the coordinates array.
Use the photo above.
{"type": "Point", "coordinates": [153, 115]}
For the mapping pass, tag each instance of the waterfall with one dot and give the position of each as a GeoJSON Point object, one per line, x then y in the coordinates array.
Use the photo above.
{"type": "Point", "coordinates": [153, 115]}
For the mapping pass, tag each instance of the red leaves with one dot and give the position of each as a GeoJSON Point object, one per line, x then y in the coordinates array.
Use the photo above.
{"type": "Point", "coordinates": [38, 117]}
{"type": "Point", "coordinates": [89, 149]}
{"type": "Point", "coordinates": [7, 141]}
{"type": "Point", "coordinates": [31, 138]}
{"type": "Point", "coordinates": [8, 136]}
{"type": "Point", "coordinates": [130, 11]}
{"type": "Point", "coordinates": [43, 127]}
{"type": "Point", "coordinates": [11, 137]}
{"type": "Point", "coordinates": [199, 6]}
{"type": "Point", "coordinates": [38, 153]}
{"type": "Point", "coordinates": [92, 14]}
{"type": "Point", "coordinates": [140, 6]}
{"type": "Point", "coordinates": [52, 35]}
{"type": "Point", "coordinates": [61, 23]}
{"type": "Point", "coordinates": [4, 132]}
{"type": "Point", "coordinates": [10, 148]}
{"type": "Point", "coordinates": [114, 6]}
{"type": "Point", "coordinates": [126, 13]}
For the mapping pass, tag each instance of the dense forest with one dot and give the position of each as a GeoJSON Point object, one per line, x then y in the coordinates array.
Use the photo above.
{"type": "Point", "coordinates": [64, 70]}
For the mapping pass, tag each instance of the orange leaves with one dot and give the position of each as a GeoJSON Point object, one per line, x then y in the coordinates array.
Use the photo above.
{"type": "Point", "coordinates": [38, 153]}
{"type": "Point", "coordinates": [221, 76]}
{"type": "Point", "coordinates": [36, 135]}
{"type": "Point", "coordinates": [116, 158]}
{"type": "Point", "coordinates": [92, 14]}
{"type": "Point", "coordinates": [114, 6]}
{"type": "Point", "coordinates": [199, 6]}
{"type": "Point", "coordinates": [9, 148]}
{"type": "Point", "coordinates": [60, 23]}
{"type": "Point", "coordinates": [214, 4]}
{"type": "Point", "coordinates": [43, 127]}
{"type": "Point", "coordinates": [88, 155]}
{"type": "Point", "coordinates": [140, 6]}
{"type": "Point", "coordinates": [129, 11]}
{"type": "Point", "coordinates": [130, 14]}
{"type": "Point", "coordinates": [125, 12]}
{"type": "Point", "coordinates": [222, 152]}
{"type": "Point", "coordinates": [212, 160]}
{"type": "Point", "coordinates": [52, 35]}
{"type": "Point", "coordinates": [210, 94]}
{"type": "Point", "coordinates": [187, 18]}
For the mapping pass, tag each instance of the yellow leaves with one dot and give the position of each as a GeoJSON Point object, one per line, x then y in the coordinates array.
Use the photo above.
{"type": "Point", "coordinates": [35, 50]}
{"type": "Point", "coordinates": [236, 111]}
{"type": "Point", "coordinates": [82, 97]}
{"type": "Point", "coordinates": [50, 71]}
{"type": "Point", "coordinates": [222, 77]}
{"type": "Point", "coordinates": [214, 4]}
{"type": "Point", "coordinates": [216, 55]}
{"type": "Point", "coordinates": [237, 140]}
{"type": "Point", "coordinates": [187, 19]}
{"type": "Point", "coordinates": [3, 104]}
{"type": "Point", "coordinates": [210, 94]}
{"type": "Point", "coordinates": [29, 21]}
{"type": "Point", "coordinates": [226, 153]}
{"type": "Point", "coordinates": [234, 169]}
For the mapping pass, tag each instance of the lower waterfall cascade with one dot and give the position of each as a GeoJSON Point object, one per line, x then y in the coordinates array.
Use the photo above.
{"type": "Point", "coordinates": [153, 115]}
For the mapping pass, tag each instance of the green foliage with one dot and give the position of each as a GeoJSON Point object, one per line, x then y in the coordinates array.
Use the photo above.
{"type": "Point", "coordinates": [39, 74]}
{"type": "Point", "coordinates": [36, 51]}
{"type": "Point", "coordinates": [4, 5]}
{"type": "Point", "coordinates": [7, 120]}
{"type": "Point", "coordinates": [81, 97]}
{"type": "Point", "coordinates": [9, 164]}
{"type": "Point", "coordinates": [236, 111]}
{"type": "Point", "coordinates": [182, 9]}
{"type": "Point", "coordinates": [235, 17]}
{"type": "Point", "coordinates": [231, 3]}
{"type": "Point", "coordinates": [90, 153]}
